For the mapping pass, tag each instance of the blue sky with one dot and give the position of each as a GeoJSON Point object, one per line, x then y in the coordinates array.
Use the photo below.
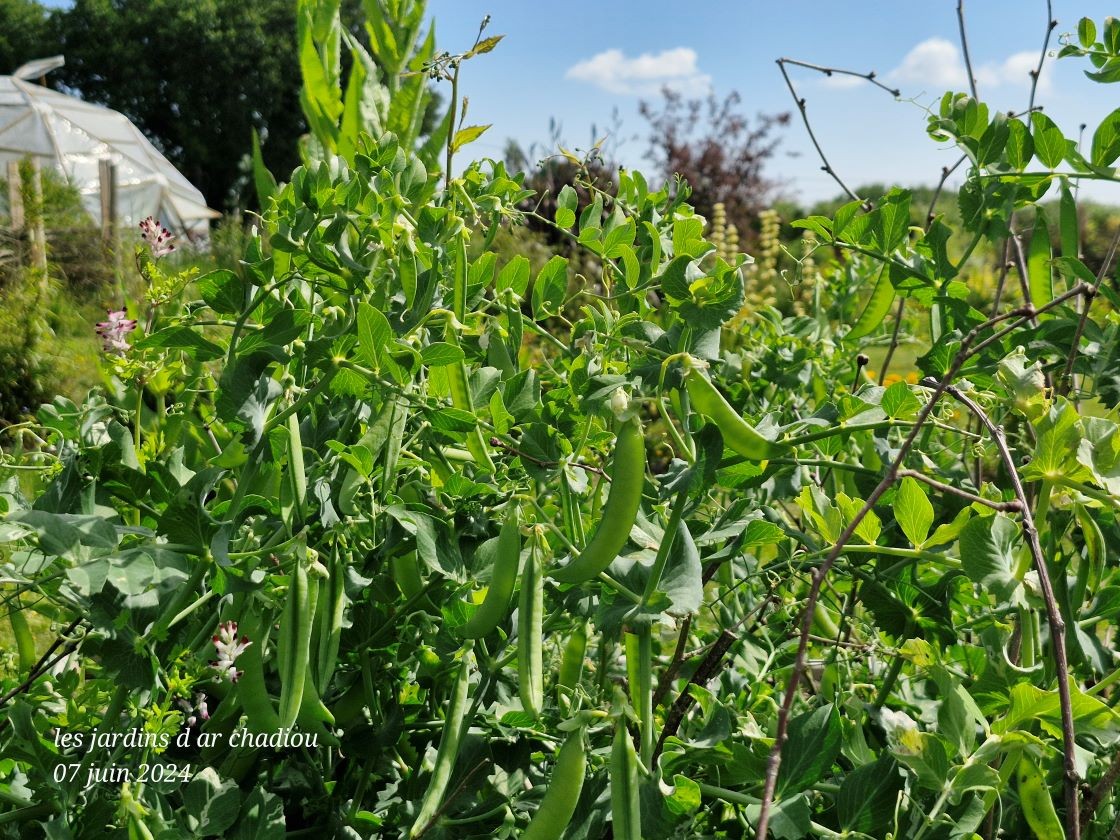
{"type": "Point", "coordinates": [579, 61]}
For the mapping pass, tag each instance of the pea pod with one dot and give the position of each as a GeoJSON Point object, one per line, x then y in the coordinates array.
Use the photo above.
{"type": "Point", "coordinates": [626, 815]}
{"type": "Point", "coordinates": [495, 606]}
{"type": "Point", "coordinates": [571, 662]}
{"type": "Point", "coordinates": [530, 629]}
{"type": "Point", "coordinates": [627, 475]}
{"type": "Point", "coordinates": [293, 487]}
{"type": "Point", "coordinates": [260, 715]}
{"type": "Point", "coordinates": [738, 434]}
{"type": "Point", "coordinates": [559, 803]}
{"type": "Point", "coordinates": [294, 648]}
{"type": "Point", "coordinates": [406, 574]}
{"type": "Point", "coordinates": [1034, 798]}
{"type": "Point", "coordinates": [25, 641]}
{"type": "Point", "coordinates": [331, 607]}
{"type": "Point", "coordinates": [448, 748]}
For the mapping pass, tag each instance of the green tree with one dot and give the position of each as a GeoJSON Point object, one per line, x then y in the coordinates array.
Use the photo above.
{"type": "Point", "coordinates": [196, 78]}
{"type": "Point", "coordinates": [23, 28]}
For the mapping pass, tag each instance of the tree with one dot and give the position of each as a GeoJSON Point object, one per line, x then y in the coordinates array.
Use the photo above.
{"type": "Point", "coordinates": [23, 28]}
{"type": "Point", "coordinates": [718, 151]}
{"type": "Point", "coordinates": [196, 78]}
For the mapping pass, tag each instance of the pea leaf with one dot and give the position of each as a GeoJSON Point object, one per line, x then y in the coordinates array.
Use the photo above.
{"type": "Point", "coordinates": [814, 742]}
{"type": "Point", "coordinates": [913, 511]}
{"type": "Point", "coordinates": [987, 556]}
{"type": "Point", "coordinates": [867, 797]}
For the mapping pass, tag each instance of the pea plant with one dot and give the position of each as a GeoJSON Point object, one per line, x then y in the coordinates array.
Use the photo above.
{"type": "Point", "coordinates": [376, 534]}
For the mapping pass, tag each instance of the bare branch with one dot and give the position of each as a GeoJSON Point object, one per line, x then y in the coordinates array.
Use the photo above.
{"type": "Point", "coordinates": [1053, 615]}
{"type": "Point", "coordinates": [964, 50]}
{"type": "Point", "coordinates": [957, 491]}
{"type": "Point", "coordinates": [1037, 71]}
{"type": "Point", "coordinates": [827, 167]}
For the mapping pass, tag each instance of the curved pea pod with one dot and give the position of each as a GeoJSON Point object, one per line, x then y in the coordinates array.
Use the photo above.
{"type": "Point", "coordinates": [294, 647]}
{"type": "Point", "coordinates": [530, 630]}
{"type": "Point", "coordinates": [406, 574]}
{"type": "Point", "coordinates": [738, 434]}
{"type": "Point", "coordinates": [626, 815]}
{"type": "Point", "coordinates": [503, 579]}
{"type": "Point", "coordinates": [252, 694]}
{"type": "Point", "coordinates": [627, 476]}
{"type": "Point", "coordinates": [448, 751]}
{"type": "Point", "coordinates": [560, 800]}
{"type": "Point", "coordinates": [21, 631]}
{"type": "Point", "coordinates": [1034, 799]}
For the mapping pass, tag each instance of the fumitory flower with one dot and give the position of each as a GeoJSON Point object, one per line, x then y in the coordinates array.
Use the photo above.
{"type": "Point", "coordinates": [229, 648]}
{"type": "Point", "coordinates": [113, 331]}
{"type": "Point", "coordinates": [196, 709]}
{"type": "Point", "coordinates": [158, 237]}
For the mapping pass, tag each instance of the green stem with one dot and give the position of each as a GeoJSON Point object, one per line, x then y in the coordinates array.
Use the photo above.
{"type": "Point", "coordinates": [645, 692]}
{"type": "Point", "coordinates": [666, 546]}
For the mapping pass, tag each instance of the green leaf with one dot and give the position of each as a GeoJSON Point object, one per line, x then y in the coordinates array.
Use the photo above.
{"type": "Point", "coordinates": [1106, 141]}
{"type": "Point", "coordinates": [263, 180]}
{"type": "Point", "coordinates": [987, 556]}
{"type": "Point", "coordinates": [211, 803]}
{"type": "Point", "coordinates": [868, 796]}
{"type": "Point", "coordinates": [685, 798]}
{"type": "Point", "coordinates": [514, 275]}
{"type": "Point", "coordinates": [566, 205]}
{"type": "Point", "coordinates": [1038, 264]}
{"type": "Point", "coordinates": [913, 511]}
{"type": "Point", "coordinates": [813, 744]}
{"type": "Point", "coordinates": [1019, 148]}
{"type": "Point", "coordinates": [899, 402]}
{"type": "Point", "coordinates": [1049, 142]}
{"type": "Point", "coordinates": [550, 287]}
{"type": "Point", "coordinates": [374, 333]}
{"type": "Point", "coordinates": [467, 135]}
{"type": "Point", "coordinates": [184, 339]}
{"type": "Point", "coordinates": [1086, 32]}
{"type": "Point", "coordinates": [223, 291]}
{"type": "Point", "coordinates": [440, 353]}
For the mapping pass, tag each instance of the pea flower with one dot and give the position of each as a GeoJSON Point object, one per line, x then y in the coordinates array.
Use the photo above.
{"type": "Point", "coordinates": [113, 331]}
{"type": "Point", "coordinates": [228, 648]}
{"type": "Point", "coordinates": [158, 237]}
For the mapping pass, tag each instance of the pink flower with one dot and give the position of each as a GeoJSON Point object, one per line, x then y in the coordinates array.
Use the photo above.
{"type": "Point", "coordinates": [113, 331]}
{"type": "Point", "coordinates": [229, 648]}
{"type": "Point", "coordinates": [196, 710]}
{"type": "Point", "coordinates": [158, 237]}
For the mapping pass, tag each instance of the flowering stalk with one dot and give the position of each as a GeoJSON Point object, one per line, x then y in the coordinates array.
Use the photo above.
{"type": "Point", "coordinates": [229, 648]}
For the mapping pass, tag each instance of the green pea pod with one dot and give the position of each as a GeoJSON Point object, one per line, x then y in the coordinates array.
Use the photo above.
{"type": "Point", "coordinates": [332, 607]}
{"type": "Point", "coordinates": [1034, 798]}
{"type": "Point", "coordinates": [448, 747]}
{"type": "Point", "coordinates": [571, 662]}
{"type": "Point", "coordinates": [294, 648]}
{"type": "Point", "coordinates": [406, 574]}
{"type": "Point", "coordinates": [293, 487]}
{"type": "Point", "coordinates": [459, 383]}
{"type": "Point", "coordinates": [626, 815]}
{"type": "Point", "coordinates": [738, 434]}
{"type": "Point", "coordinates": [560, 800]}
{"type": "Point", "coordinates": [252, 694]}
{"type": "Point", "coordinates": [530, 631]}
{"type": "Point", "coordinates": [627, 476]}
{"type": "Point", "coordinates": [496, 605]}
{"type": "Point", "coordinates": [25, 641]}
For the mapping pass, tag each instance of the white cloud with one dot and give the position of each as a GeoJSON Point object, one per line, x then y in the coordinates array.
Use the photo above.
{"type": "Point", "coordinates": [645, 74]}
{"type": "Point", "coordinates": [936, 64]}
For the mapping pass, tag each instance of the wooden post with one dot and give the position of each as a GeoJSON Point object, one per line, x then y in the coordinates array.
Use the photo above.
{"type": "Point", "coordinates": [15, 197]}
{"type": "Point", "coordinates": [37, 235]}
{"type": "Point", "coordinates": [107, 182]}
